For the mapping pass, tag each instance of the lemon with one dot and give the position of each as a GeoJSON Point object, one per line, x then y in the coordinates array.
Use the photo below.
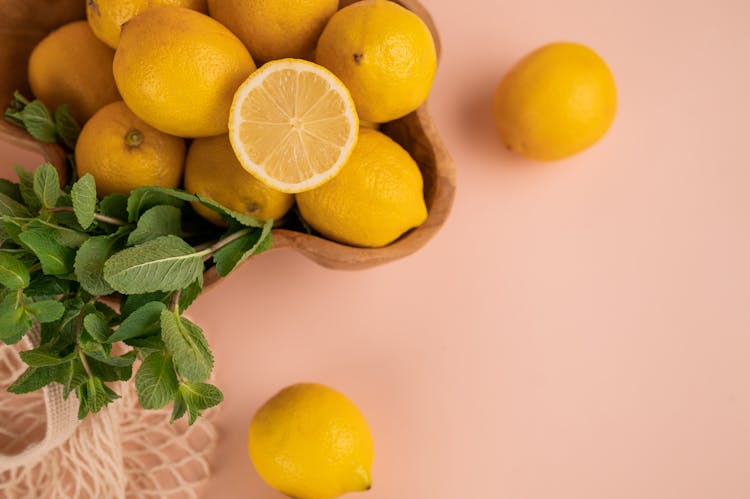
{"type": "Point", "coordinates": [122, 152]}
{"type": "Point", "coordinates": [212, 171]}
{"type": "Point", "coordinates": [106, 17]}
{"type": "Point", "coordinates": [71, 66]}
{"type": "Point", "coordinates": [293, 125]}
{"type": "Point", "coordinates": [375, 198]}
{"type": "Point", "coordinates": [384, 54]}
{"type": "Point", "coordinates": [555, 102]}
{"type": "Point", "coordinates": [177, 69]}
{"type": "Point", "coordinates": [311, 442]}
{"type": "Point", "coordinates": [275, 29]}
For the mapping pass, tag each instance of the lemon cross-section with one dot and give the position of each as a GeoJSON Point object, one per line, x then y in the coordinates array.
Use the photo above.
{"type": "Point", "coordinates": [293, 125]}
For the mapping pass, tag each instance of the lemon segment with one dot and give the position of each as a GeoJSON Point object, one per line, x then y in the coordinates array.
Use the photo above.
{"type": "Point", "coordinates": [293, 125]}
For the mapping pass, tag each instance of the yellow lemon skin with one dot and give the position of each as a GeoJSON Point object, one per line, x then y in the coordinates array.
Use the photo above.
{"type": "Point", "coordinates": [275, 29]}
{"type": "Point", "coordinates": [71, 66]}
{"type": "Point", "coordinates": [375, 198]}
{"type": "Point", "coordinates": [178, 69]}
{"type": "Point", "coordinates": [555, 102]}
{"type": "Point", "coordinates": [311, 442]}
{"type": "Point", "coordinates": [122, 152]}
{"type": "Point", "coordinates": [106, 17]}
{"type": "Point", "coordinates": [384, 54]}
{"type": "Point", "coordinates": [213, 171]}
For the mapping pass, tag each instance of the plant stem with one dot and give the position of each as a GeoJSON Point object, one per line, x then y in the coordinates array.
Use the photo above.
{"type": "Point", "coordinates": [81, 355]}
{"type": "Point", "coordinates": [208, 252]}
{"type": "Point", "coordinates": [174, 304]}
{"type": "Point", "coordinates": [97, 216]}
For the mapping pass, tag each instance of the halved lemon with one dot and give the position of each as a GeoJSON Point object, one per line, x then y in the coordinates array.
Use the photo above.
{"type": "Point", "coordinates": [293, 125]}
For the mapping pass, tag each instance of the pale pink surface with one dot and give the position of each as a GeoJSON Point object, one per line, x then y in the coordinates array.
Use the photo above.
{"type": "Point", "coordinates": [578, 330]}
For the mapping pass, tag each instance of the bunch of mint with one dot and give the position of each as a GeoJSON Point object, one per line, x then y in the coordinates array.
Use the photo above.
{"type": "Point", "coordinates": [66, 256]}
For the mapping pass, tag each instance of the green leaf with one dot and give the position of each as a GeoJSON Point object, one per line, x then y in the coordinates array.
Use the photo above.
{"type": "Point", "coordinates": [70, 238]}
{"type": "Point", "coordinates": [66, 126]}
{"type": "Point", "coordinates": [47, 285]}
{"type": "Point", "coordinates": [233, 254]}
{"type": "Point", "coordinates": [83, 195]}
{"type": "Point", "coordinates": [13, 229]}
{"type": "Point", "coordinates": [55, 258]}
{"type": "Point", "coordinates": [97, 327]}
{"type": "Point", "coordinates": [26, 186]}
{"type": "Point", "coordinates": [108, 372]}
{"type": "Point", "coordinates": [46, 311]}
{"type": "Point", "coordinates": [156, 382]}
{"type": "Point", "coordinates": [162, 220]}
{"type": "Point", "coordinates": [179, 408]}
{"type": "Point", "coordinates": [14, 323]}
{"type": "Point", "coordinates": [93, 396]}
{"type": "Point", "coordinates": [47, 185]}
{"type": "Point", "coordinates": [148, 344]}
{"type": "Point", "coordinates": [189, 294]}
{"type": "Point", "coordinates": [145, 198]}
{"type": "Point", "coordinates": [115, 206]}
{"type": "Point", "coordinates": [230, 216]}
{"type": "Point", "coordinates": [33, 379]}
{"type": "Point", "coordinates": [121, 361]}
{"type": "Point", "coordinates": [13, 273]}
{"type": "Point", "coordinates": [39, 122]}
{"type": "Point", "coordinates": [188, 346]}
{"type": "Point", "coordinates": [131, 303]}
{"type": "Point", "coordinates": [12, 208]}
{"type": "Point", "coordinates": [145, 321]}
{"type": "Point", "coordinates": [71, 375]}
{"type": "Point", "coordinates": [43, 357]}
{"type": "Point", "coordinates": [10, 189]}
{"type": "Point", "coordinates": [166, 263]}
{"type": "Point", "coordinates": [198, 397]}
{"type": "Point", "coordinates": [89, 264]}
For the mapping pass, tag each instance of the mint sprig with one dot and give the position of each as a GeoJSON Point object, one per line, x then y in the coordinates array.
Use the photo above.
{"type": "Point", "coordinates": [62, 250]}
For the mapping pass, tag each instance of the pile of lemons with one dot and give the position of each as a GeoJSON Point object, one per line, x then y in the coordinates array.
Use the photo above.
{"type": "Point", "coordinates": [254, 103]}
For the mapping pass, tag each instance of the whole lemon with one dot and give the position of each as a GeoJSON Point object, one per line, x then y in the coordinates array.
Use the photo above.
{"type": "Point", "coordinates": [375, 198]}
{"type": "Point", "coordinates": [106, 17]}
{"type": "Point", "coordinates": [384, 54]}
{"type": "Point", "coordinates": [71, 66]}
{"type": "Point", "coordinates": [122, 152]}
{"type": "Point", "coordinates": [311, 442]}
{"type": "Point", "coordinates": [213, 171]}
{"type": "Point", "coordinates": [555, 102]}
{"type": "Point", "coordinates": [275, 29]}
{"type": "Point", "coordinates": [178, 69]}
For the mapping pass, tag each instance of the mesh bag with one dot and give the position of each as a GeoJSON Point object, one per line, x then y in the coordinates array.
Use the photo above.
{"type": "Point", "coordinates": [123, 451]}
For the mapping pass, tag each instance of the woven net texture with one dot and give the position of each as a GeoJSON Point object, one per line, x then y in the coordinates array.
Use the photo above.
{"type": "Point", "coordinates": [123, 451]}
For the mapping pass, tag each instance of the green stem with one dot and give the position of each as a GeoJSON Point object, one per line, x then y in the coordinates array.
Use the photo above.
{"type": "Point", "coordinates": [174, 304]}
{"type": "Point", "coordinates": [208, 252]}
{"type": "Point", "coordinates": [81, 355]}
{"type": "Point", "coordinates": [97, 216]}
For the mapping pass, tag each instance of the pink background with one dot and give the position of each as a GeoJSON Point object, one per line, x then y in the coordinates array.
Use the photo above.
{"type": "Point", "coordinates": [578, 330]}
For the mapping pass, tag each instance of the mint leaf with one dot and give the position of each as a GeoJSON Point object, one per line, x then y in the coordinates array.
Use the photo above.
{"type": "Point", "coordinates": [166, 263]}
{"type": "Point", "coordinates": [66, 126]}
{"type": "Point", "coordinates": [162, 220]}
{"type": "Point", "coordinates": [189, 294]}
{"type": "Point", "coordinates": [13, 273]}
{"type": "Point", "coordinates": [14, 322]}
{"type": "Point", "coordinates": [89, 264]}
{"type": "Point", "coordinates": [145, 321]}
{"type": "Point", "coordinates": [125, 360]}
{"type": "Point", "coordinates": [10, 189]}
{"type": "Point", "coordinates": [97, 327]}
{"type": "Point", "coordinates": [38, 121]}
{"type": "Point", "coordinates": [26, 186]}
{"type": "Point", "coordinates": [148, 344]}
{"type": "Point", "coordinates": [198, 397]}
{"type": "Point", "coordinates": [55, 258]}
{"type": "Point", "coordinates": [69, 238]}
{"type": "Point", "coordinates": [131, 303]}
{"type": "Point", "coordinates": [71, 376]}
{"type": "Point", "coordinates": [43, 357]}
{"type": "Point", "coordinates": [46, 311]}
{"type": "Point", "coordinates": [93, 396]}
{"type": "Point", "coordinates": [230, 216]}
{"type": "Point", "coordinates": [47, 285]}
{"type": "Point", "coordinates": [188, 346]}
{"type": "Point", "coordinates": [12, 208]}
{"type": "Point", "coordinates": [47, 185]}
{"type": "Point", "coordinates": [236, 252]}
{"type": "Point", "coordinates": [33, 379]}
{"type": "Point", "coordinates": [179, 408]}
{"type": "Point", "coordinates": [107, 371]}
{"type": "Point", "coordinates": [83, 195]}
{"type": "Point", "coordinates": [115, 206]}
{"type": "Point", "coordinates": [144, 198]}
{"type": "Point", "coordinates": [155, 381]}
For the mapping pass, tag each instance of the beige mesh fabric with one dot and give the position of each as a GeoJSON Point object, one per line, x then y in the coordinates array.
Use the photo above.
{"type": "Point", "coordinates": [122, 452]}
